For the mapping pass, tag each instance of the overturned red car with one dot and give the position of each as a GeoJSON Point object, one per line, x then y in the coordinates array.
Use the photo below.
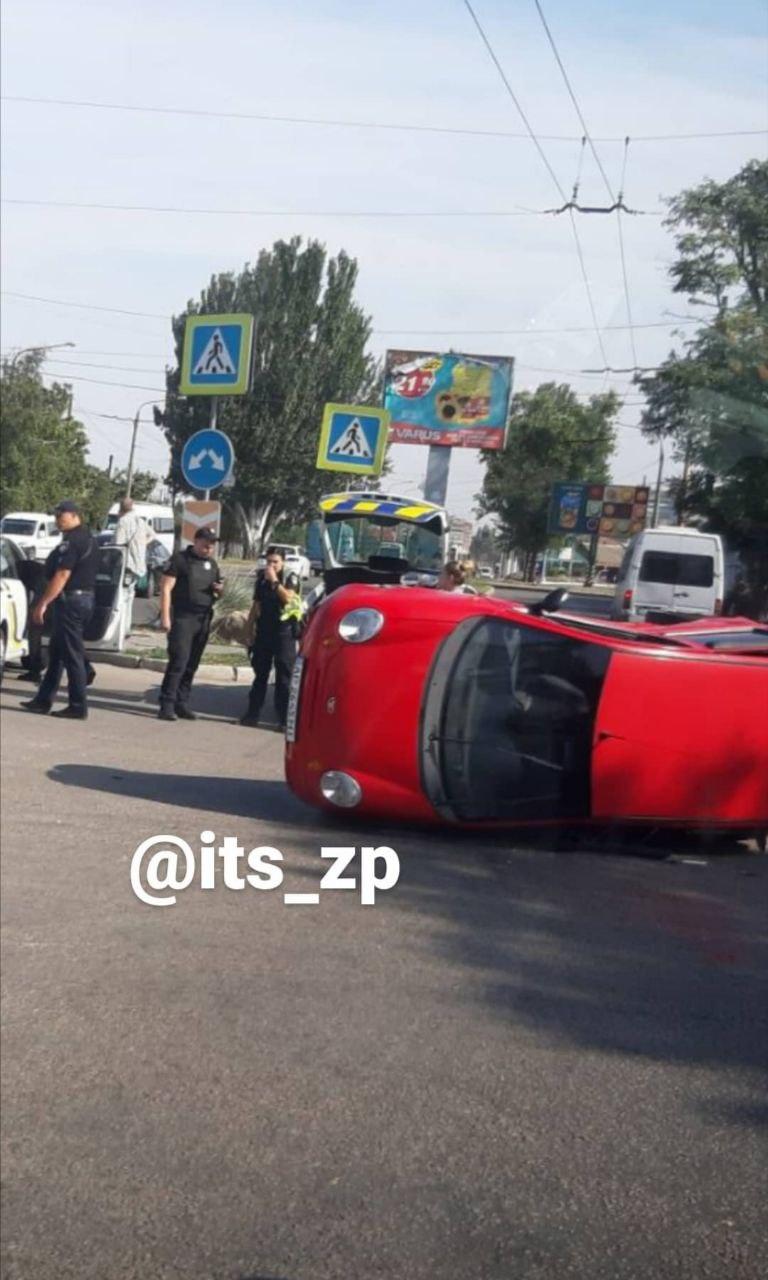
{"type": "Point", "coordinates": [422, 705]}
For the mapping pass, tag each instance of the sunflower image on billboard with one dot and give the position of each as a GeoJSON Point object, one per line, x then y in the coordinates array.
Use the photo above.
{"type": "Point", "coordinates": [448, 399]}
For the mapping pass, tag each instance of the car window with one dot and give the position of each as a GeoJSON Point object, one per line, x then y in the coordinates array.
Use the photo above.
{"type": "Point", "coordinates": [22, 528]}
{"type": "Point", "coordinates": [8, 560]}
{"type": "Point", "coordinates": [163, 524]}
{"type": "Point", "coordinates": [677, 569]}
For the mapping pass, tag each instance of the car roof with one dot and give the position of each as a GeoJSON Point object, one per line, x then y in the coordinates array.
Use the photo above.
{"type": "Point", "coordinates": [28, 515]}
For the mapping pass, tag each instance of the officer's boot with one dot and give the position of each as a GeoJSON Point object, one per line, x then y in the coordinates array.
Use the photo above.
{"type": "Point", "coordinates": [251, 717]}
{"type": "Point", "coordinates": [166, 711]}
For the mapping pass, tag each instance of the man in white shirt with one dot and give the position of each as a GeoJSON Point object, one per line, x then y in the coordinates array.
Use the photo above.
{"type": "Point", "coordinates": [131, 532]}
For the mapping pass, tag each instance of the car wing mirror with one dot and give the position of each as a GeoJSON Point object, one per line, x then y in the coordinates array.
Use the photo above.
{"type": "Point", "coordinates": [553, 601]}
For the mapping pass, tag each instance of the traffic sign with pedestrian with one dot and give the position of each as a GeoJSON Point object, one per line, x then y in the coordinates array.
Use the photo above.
{"type": "Point", "coordinates": [207, 459]}
{"type": "Point", "coordinates": [353, 438]}
{"type": "Point", "coordinates": [216, 360]}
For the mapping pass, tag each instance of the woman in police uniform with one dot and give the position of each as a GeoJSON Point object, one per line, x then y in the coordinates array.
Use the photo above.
{"type": "Point", "coordinates": [274, 615]}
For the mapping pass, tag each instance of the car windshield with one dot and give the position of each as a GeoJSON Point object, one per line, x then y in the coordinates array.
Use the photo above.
{"type": "Point", "coordinates": [355, 540]}
{"type": "Point", "coordinates": [508, 720]}
{"type": "Point", "coordinates": [23, 527]}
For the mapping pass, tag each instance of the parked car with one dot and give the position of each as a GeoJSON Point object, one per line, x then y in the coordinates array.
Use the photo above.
{"type": "Point", "coordinates": [34, 532]}
{"type": "Point", "coordinates": [510, 715]}
{"type": "Point", "coordinates": [670, 574]}
{"type": "Point", "coordinates": [13, 604]}
{"type": "Point", "coordinates": [485, 572]}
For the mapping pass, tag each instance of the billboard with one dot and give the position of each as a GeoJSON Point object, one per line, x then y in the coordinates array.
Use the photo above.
{"type": "Point", "coordinates": [610, 510]}
{"type": "Point", "coordinates": [452, 399]}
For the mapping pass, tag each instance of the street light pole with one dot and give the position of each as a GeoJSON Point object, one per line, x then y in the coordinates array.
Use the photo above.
{"type": "Point", "coordinates": [52, 346]}
{"type": "Point", "coordinates": [132, 454]}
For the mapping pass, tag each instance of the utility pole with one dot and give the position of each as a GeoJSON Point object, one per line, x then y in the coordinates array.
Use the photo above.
{"type": "Point", "coordinates": [657, 498]}
{"type": "Point", "coordinates": [684, 482]}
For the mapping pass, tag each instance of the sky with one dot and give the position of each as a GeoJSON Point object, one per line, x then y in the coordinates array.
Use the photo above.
{"type": "Point", "coordinates": [447, 256]}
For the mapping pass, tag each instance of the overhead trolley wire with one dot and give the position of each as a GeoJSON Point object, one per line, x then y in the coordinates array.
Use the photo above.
{"type": "Point", "coordinates": [617, 204]}
{"type": "Point", "coordinates": [550, 170]}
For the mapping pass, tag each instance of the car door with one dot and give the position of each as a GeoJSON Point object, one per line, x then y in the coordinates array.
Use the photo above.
{"type": "Point", "coordinates": [14, 600]}
{"type": "Point", "coordinates": [657, 576]}
{"type": "Point", "coordinates": [695, 590]}
{"type": "Point", "coordinates": [109, 624]}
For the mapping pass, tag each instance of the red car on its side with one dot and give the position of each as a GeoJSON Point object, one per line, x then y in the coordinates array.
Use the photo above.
{"type": "Point", "coordinates": [421, 705]}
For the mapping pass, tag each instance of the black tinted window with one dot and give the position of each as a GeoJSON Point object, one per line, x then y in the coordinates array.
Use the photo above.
{"type": "Point", "coordinates": [677, 569]}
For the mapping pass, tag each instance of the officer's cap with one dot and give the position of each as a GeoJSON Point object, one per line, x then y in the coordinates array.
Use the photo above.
{"type": "Point", "coordinates": [210, 535]}
{"type": "Point", "coordinates": [66, 505]}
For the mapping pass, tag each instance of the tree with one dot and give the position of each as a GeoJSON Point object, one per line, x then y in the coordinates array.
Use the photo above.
{"type": "Point", "coordinates": [552, 437]}
{"type": "Point", "coordinates": [722, 239]}
{"type": "Point", "coordinates": [310, 340]}
{"type": "Point", "coordinates": [710, 400]}
{"type": "Point", "coordinates": [44, 450]}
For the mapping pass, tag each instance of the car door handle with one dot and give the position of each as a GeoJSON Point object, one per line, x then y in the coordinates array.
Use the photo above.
{"type": "Point", "coordinates": [681, 593]}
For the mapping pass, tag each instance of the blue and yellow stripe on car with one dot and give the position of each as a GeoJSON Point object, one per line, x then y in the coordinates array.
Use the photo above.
{"type": "Point", "coordinates": [350, 504]}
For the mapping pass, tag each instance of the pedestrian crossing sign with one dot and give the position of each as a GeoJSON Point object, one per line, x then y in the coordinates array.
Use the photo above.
{"type": "Point", "coordinates": [216, 360]}
{"type": "Point", "coordinates": [353, 438]}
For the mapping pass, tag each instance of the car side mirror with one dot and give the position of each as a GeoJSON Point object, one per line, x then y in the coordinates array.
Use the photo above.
{"type": "Point", "coordinates": [553, 601]}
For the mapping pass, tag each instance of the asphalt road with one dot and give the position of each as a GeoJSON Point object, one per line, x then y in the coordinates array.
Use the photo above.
{"type": "Point", "coordinates": [523, 1063]}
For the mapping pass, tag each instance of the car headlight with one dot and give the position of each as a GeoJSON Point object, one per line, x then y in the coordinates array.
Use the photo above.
{"type": "Point", "coordinates": [361, 625]}
{"type": "Point", "coordinates": [340, 789]}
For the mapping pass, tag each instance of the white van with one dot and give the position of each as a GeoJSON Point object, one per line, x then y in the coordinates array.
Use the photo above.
{"type": "Point", "coordinates": [35, 532]}
{"type": "Point", "coordinates": [670, 574]}
{"type": "Point", "coordinates": [158, 518]}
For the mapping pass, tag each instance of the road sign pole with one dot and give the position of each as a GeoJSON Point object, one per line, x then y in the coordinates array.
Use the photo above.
{"type": "Point", "coordinates": [214, 425]}
{"type": "Point", "coordinates": [438, 470]}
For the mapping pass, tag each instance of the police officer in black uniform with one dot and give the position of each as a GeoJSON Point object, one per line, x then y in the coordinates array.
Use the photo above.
{"type": "Point", "coordinates": [190, 583]}
{"type": "Point", "coordinates": [70, 591]}
{"type": "Point", "coordinates": [275, 637]}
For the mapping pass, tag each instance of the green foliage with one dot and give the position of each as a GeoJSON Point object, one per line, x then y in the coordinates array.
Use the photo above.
{"type": "Point", "coordinates": [552, 437]}
{"type": "Point", "coordinates": [711, 399]}
{"type": "Point", "coordinates": [43, 449]}
{"type": "Point", "coordinates": [722, 238]}
{"type": "Point", "coordinates": [310, 342]}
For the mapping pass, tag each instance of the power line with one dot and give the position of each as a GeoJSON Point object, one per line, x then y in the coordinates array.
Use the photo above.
{"type": "Point", "coordinates": [550, 171]}
{"type": "Point", "coordinates": [144, 109]}
{"type": "Point", "coordinates": [618, 205]}
{"type": "Point", "coordinates": [574, 99]}
{"type": "Point", "coordinates": [530, 333]}
{"type": "Point", "coordinates": [118, 368]}
{"type": "Point", "coordinates": [86, 306]}
{"type": "Point", "coordinates": [518, 211]}
{"type": "Point", "coordinates": [99, 382]}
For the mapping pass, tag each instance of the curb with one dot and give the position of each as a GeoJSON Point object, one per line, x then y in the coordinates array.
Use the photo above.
{"type": "Point", "coordinates": [207, 671]}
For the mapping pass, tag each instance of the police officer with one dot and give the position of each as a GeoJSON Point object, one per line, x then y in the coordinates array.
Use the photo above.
{"type": "Point", "coordinates": [275, 612]}
{"type": "Point", "coordinates": [190, 583]}
{"type": "Point", "coordinates": [70, 591]}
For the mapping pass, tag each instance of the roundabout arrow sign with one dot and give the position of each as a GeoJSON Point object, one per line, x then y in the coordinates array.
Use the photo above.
{"type": "Point", "coordinates": [207, 459]}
